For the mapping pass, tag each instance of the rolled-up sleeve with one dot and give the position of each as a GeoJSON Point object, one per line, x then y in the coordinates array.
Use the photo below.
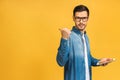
{"type": "Point", "coordinates": [94, 61]}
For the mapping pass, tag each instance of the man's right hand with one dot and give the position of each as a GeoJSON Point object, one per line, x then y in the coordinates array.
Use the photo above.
{"type": "Point", "coordinates": [65, 32]}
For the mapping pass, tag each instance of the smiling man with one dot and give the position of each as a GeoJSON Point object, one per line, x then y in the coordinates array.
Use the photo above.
{"type": "Point", "coordinates": [74, 50]}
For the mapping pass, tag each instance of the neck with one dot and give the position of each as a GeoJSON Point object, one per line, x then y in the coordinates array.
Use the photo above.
{"type": "Point", "coordinates": [82, 31]}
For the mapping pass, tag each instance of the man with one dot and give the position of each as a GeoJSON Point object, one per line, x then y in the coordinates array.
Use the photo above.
{"type": "Point", "coordinates": [74, 51]}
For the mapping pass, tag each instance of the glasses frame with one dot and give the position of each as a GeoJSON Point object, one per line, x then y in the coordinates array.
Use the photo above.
{"type": "Point", "coordinates": [78, 19]}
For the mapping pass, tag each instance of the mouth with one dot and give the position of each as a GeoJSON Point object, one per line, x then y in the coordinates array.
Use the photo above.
{"type": "Point", "coordinates": [81, 25]}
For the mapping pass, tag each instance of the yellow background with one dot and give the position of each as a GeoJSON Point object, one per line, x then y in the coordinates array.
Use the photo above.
{"type": "Point", "coordinates": [29, 37]}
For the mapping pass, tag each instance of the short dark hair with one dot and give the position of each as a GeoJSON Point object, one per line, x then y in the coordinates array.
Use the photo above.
{"type": "Point", "coordinates": [80, 8]}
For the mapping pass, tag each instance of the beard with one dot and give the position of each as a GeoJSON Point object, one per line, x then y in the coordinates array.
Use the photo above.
{"type": "Point", "coordinates": [81, 26]}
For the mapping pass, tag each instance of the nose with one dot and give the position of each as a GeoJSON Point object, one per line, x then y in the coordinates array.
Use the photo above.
{"type": "Point", "coordinates": [81, 21]}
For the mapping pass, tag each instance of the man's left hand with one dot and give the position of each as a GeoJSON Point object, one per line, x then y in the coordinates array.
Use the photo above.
{"type": "Point", "coordinates": [105, 61]}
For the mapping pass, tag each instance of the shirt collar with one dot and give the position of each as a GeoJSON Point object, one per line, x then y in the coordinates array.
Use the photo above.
{"type": "Point", "coordinates": [77, 30]}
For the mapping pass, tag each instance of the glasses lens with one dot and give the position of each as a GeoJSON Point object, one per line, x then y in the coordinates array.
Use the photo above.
{"type": "Point", "coordinates": [84, 19]}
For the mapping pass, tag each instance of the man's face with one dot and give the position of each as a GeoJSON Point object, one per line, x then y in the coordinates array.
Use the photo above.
{"type": "Point", "coordinates": [80, 20]}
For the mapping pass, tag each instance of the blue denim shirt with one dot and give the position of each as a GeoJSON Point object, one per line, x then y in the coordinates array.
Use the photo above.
{"type": "Point", "coordinates": [71, 56]}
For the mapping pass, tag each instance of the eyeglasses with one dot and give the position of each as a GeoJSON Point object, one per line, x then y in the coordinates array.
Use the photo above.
{"type": "Point", "coordinates": [78, 19]}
